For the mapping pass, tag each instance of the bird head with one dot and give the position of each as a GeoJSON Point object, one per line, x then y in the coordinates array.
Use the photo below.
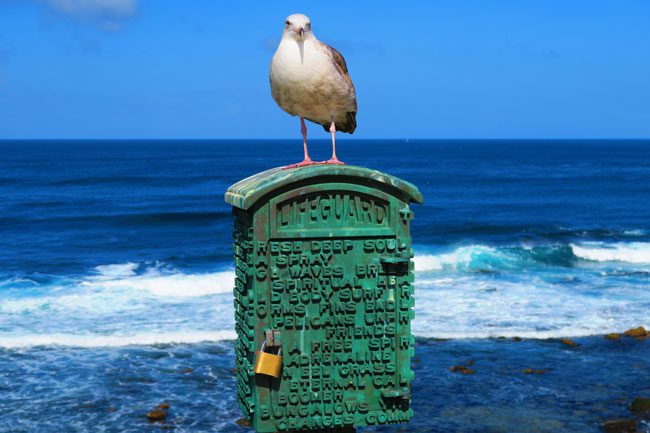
{"type": "Point", "coordinates": [298, 27]}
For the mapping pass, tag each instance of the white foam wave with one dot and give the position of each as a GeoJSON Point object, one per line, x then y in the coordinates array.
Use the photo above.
{"type": "Point", "coordinates": [427, 262]}
{"type": "Point", "coordinates": [633, 252]}
{"type": "Point", "coordinates": [119, 290]}
{"type": "Point", "coordinates": [96, 340]}
{"type": "Point", "coordinates": [125, 304]}
{"type": "Point", "coordinates": [14, 282]}
{"type": "Point", "coordinates": [117, 270]}
{"type": "Point", "coordinates": [480, 306]}
{"type": "Point", "coordinates": [120, 304]}
{"type": "Point", "coordinates": [177, 285]}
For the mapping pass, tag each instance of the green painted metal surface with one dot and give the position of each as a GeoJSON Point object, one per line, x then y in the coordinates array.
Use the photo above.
{"type": "Point", "coordinates": [324, 269]}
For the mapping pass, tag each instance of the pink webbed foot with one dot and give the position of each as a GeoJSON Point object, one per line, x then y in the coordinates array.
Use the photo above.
{"type": "Point", "coordinates": [303, 163]}
{"type": "Point", "coordinates": [333, 161]}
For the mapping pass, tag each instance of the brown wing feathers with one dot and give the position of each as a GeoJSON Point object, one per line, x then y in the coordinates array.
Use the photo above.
{"type": "Point", "coordinates": [338, 59]}
{"type": "Point", "coordinates": [351, 116]}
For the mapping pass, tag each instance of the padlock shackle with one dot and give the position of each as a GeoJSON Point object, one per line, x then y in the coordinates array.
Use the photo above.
{"type": "Point", "coordinates": [264, 346]}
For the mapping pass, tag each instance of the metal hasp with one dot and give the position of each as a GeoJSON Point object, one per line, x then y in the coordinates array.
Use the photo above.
{"type": "Point", "coordinates": [324, 272]}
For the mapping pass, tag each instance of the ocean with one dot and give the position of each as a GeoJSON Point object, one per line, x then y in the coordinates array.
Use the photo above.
{"type": "Point", "coordinates": [116, 277]}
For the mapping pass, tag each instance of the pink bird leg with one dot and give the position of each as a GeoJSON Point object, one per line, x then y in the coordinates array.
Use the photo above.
{"type": "Point", "coordinates": [307, 160]}
{"type": "Point", "coordinates": [333, 159]}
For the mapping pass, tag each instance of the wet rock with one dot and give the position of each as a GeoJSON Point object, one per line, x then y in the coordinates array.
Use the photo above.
{"type": "Point", "coordinates": [186, 370]}
{"type": "Point", "coordinates": [517, 339]}
{"type": "Point", "coordinates": [636, 332]}
{"type": "Point", "coordinates": [620, 426]}
{"type": "Point", "coordinates": [233, 370]}
{"type": "Point", "coordinates": [243, 422]}
{"type": "Point", "coordinates": [157, 415]}
{"type": "Point", "coordinates": [613, 336]}
{"type": "Point", "coordinates": [534, 371]}
{"type": "Point", "coordinates": [461, 369]}
{"type": "Point", "coordinates": [568, 342]}
{"type": "Point", "coordinates": [640, 405]}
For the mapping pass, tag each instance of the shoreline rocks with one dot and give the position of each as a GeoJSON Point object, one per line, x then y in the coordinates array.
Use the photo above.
{"type": "Point", "coordinates": [640, 405]}
{"type": "Point", "coordinates": [613, 336]}
{"type": "Point", "coordinates": [620, 426]}
{"type": "Point", "coordinates": [243, 422]}
{"type": "Point", "coordinates": [568, 342]}
{"type": "Point", "coordinates": [461, 369]}
{"type": "Point", "coordinates": [639, 332]}
{"type": "Point", "coordinates": [159, 413]}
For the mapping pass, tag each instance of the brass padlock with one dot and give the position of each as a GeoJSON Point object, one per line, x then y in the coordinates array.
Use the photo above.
{"type": "Point", "coordinates": [268, 363]}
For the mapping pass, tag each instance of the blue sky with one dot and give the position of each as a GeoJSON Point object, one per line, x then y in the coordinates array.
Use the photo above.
{"type": "Point", "coordinates": [424, 69]}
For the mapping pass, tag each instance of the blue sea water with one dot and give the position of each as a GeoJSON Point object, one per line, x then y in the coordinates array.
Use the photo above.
{"type": "Point", "coordinates": [116, 277]}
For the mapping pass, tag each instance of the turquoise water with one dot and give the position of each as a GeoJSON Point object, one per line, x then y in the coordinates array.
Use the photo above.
{"type": "Point", "coordinates": [116, 273]}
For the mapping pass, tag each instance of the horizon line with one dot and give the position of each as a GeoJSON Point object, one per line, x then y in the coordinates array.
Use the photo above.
{"type": "Point", "coordinates": [328, 139]}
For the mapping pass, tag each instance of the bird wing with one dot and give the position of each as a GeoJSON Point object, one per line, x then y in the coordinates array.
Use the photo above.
{"type": "Point", "coordinates": [339, 62]}
{"type": "Point", "coordinates": [351, 123]}
{"type": "Point", "coordinates": [338, 58]}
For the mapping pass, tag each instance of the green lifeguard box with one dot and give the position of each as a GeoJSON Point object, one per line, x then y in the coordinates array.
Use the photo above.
{"type": "Point", "coordinates": [324, 281]}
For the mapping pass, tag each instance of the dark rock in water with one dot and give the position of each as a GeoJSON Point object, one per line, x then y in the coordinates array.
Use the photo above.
{"type": "Point", "coordinates": [186, 370]}
{"type": "Point", "coordinates": [534, 371]}
{"type": "Point", "coordinates": [461, 369]}
{"type": "Point", "coordinates": [568, 342]}
{"type": "Point", "coordinates": [620, 426]}
{"type": "Point", "coordinates": [243, 422]}
{"type": "Point", "coordinates": [233, 370]}
{"type": "Point", "coordinates": [636, 332]}
{"type": "Point", "coordinates": [640, 405]}
{"type": "Point", "coordinates": [157, 415]}
{"type": "Point", "coordinates": [613, 336]}
{"type": "Point", "coordinates": [517, 339]}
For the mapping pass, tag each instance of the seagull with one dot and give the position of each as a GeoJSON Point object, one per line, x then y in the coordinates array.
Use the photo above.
{"type": "Point", "coordinates": [310, 79]}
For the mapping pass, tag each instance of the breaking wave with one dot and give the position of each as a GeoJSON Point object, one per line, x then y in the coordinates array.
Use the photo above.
{"type": "Point", "coordinates": [487, 258]}
{"type": "Point", "coordinates": [118, 304]}
{"type": "Point", "coordinates": [633, 252]}
{"type": "Point", "coordinates": [473, 291]}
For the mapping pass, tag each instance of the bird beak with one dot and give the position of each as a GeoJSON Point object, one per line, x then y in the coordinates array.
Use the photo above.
{"type": "Point", "coordinates": [301, 32]}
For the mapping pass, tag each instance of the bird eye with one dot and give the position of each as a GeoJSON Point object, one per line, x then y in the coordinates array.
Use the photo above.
{"type": "Point", "coordinates": [287, 23]}
{"type": "Point", "coordinates": [307, 26]}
